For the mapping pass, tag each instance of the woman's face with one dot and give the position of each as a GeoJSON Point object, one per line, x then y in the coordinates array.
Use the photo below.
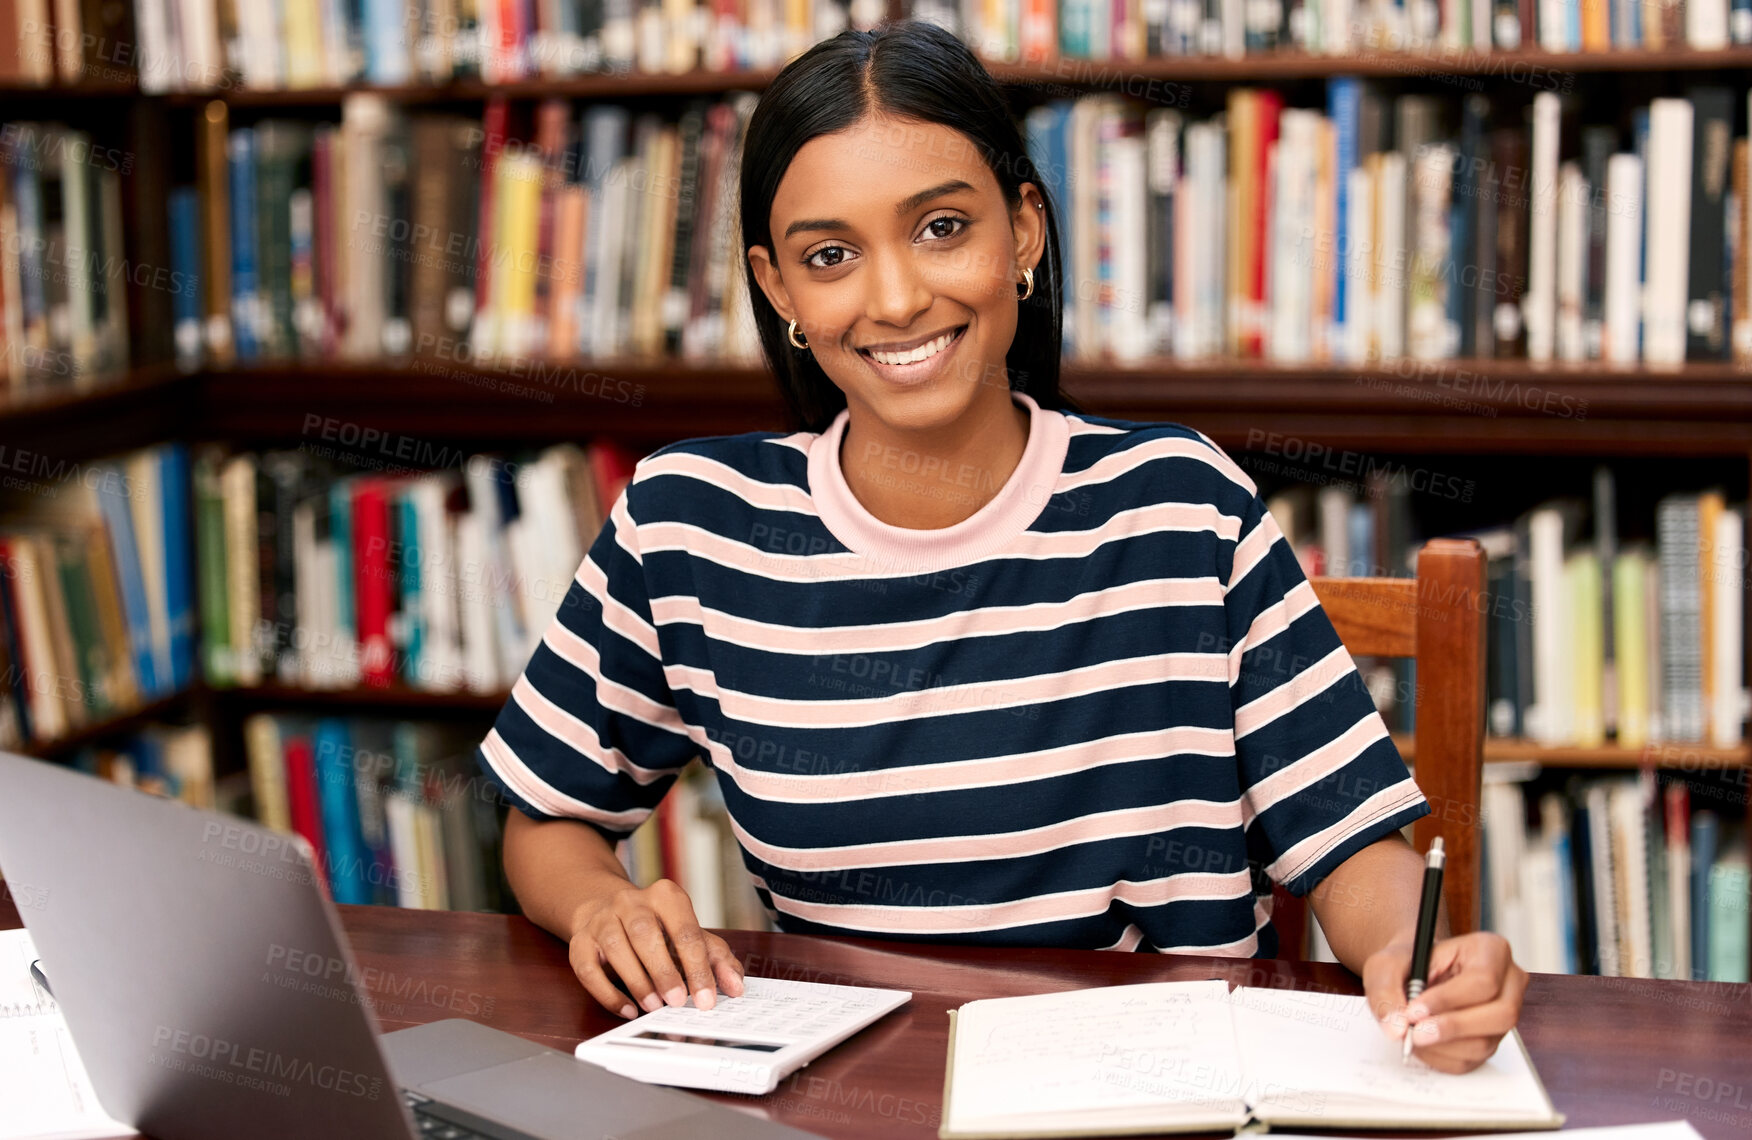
{"type": "Point", "coordinates": [889, 237]}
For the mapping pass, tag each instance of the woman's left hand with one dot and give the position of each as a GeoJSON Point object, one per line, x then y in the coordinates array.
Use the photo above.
{"type": "Point", "coordinates": [1472, 1001]}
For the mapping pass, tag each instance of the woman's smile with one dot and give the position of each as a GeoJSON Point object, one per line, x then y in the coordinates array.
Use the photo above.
{"type": "Point", "coordinates": [915, 365]}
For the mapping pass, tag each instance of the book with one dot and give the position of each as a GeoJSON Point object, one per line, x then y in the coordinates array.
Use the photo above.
{"type": "Point", "coordinates": [1192, 1056]}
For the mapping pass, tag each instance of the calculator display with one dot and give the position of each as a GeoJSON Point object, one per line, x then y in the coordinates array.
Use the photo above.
{"type": "Point", "coordinates": [719, 1042]}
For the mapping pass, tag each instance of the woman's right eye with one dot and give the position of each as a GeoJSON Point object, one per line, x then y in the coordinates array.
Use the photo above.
{"type": "Point", "coordinates": [835, 249]}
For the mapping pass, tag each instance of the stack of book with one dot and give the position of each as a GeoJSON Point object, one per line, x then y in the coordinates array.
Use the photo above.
{"type": "Point", "coordinates": [1372, 229]}
{"type": "Point", "coordinates": [96, 590]}
{"type": "Point", "coordinates": [313, 573]}
{"type": "Point", "coordinates": [1616, 876]}
{"type": "Point", "coordinates": [64, 272]}
{"type": "Point", "coordinates": [473, 242]}
{"type": "Point", "coordinates": [199, 44]}
{"type": "Point", "coordinates": [1027, 30]}
{"type": "Point", "coordinates": [1639, 643]}
{"type": "Point", "coordinates": [395, 811]}
{"type": "Point", "coordinates": [175, 761]}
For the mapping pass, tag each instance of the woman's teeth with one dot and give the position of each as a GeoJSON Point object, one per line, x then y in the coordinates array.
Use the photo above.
{"type": "Point", "coordinates": [913, 356]}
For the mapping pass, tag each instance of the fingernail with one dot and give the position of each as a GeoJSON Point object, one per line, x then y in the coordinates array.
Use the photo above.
{"type": "Point", "coordinates": [1427, 1031]}
{"type": "Point", "coordinates": [628, 1011]}
{"type": "Point", "coordinates": [705, 998]}
{"type": "Point", "coordinates": [651, 1002]}
{"type": "Point", "coordinates": [1394, 1023]}
{"type": "Point", "coordinates": [675, 996]}
{"type": "Point", "coordinates": [734, 989]}
{"type": "Point", "coordinates": [1417, 1012]}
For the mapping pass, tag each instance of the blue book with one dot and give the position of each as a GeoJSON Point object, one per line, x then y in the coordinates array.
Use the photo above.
{"type": "Point", "coordinates": [1462, 297]}
{"type": "Point", "coordinates": [386, 46]}
{"type": "Point", "coordinates": [1360, 528]}
{"type": "Point", "coordinates": [185, 275]}
{"type": "Point", "coordinates": [179, 564]}
{"type": "Point", "coordinates": [1344, 103]}
{"type": "Point", "coordinates": [1703, 855]}
{"type": "Point", "coordinates": [1045, 128]}
{"type": "Point", "coordinates": [1076, 28]}
{"type": "Point", "coordinates": [28, 199]}
{"type": "Point", "coordinates": [343, 839]}
{"type": "Point", "coordinates": [1740, 23]}
{"type": "Point", "coordinates": [112, 501]}
{"type": "Point", "coordinates": [1566, 903]}
{"type": "Point", "coordinates": [408, 522]}
{"type": "Point", "coordinates": [243, 242]}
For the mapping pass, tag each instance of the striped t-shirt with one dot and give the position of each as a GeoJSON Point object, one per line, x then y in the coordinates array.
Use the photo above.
{"type": "Point", "coordinates": [1106, 711]}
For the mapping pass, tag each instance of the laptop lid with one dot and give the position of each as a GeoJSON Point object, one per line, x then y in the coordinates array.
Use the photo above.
{"type": "Point", "coordinates": [197, 961]}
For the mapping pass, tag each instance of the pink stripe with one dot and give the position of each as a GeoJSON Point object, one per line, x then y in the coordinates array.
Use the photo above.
{"type": "Point", "coordinates": [1222, 461]}
{"type": "Point", "coordinates": [1005, 845]}
{"type": "Point", "coordinates": [615, 614]}
{"type": "Point", "coordinates": [1252, 549]}
{"type": "Point", "coordinates": [1317, 765]}
{"type": "Point", "coordinates": [771, 496]}
{"type": "Point", "coordinates": [610, 694]}
{"type": "Point", "coordinates": [582, 738]}
{"type": "Point", "coordinates": [1273, 620]}
{"type": "Point", "coordinates": [950, 699]}
{"type": "Point", "coordinates": [1386, 802]}
{"type": "Point", "coordinates": [543, 797]}
{"type": "Point", "coordinates": [987, 772]}
{"type": "Point", "coordinates": [1022, 912]}
{"type": "Point", "coordinates": [1129, 940]}
{"type": "Point", "coordinates": [1240, 948]}
{"type": "Point", "coordinates": [1115, 464]}
{"type": "Point", "coordinates": [1309, 683]}
{"type": "Point", "coordinates": [980, 622]}
{"type": "Point", "coordinates": [846, 566]}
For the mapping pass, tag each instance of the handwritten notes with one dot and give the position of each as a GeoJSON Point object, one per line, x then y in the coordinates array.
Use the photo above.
{"type": "Point", "coordinates": [1191, 1056]}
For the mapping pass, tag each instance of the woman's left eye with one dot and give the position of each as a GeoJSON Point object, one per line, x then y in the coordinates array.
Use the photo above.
{"type": "Point", "coordinates": [931, 225]}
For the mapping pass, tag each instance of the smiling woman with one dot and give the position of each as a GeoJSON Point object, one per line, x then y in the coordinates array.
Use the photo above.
{"type": "Point", "coordinates": [1063, 680]}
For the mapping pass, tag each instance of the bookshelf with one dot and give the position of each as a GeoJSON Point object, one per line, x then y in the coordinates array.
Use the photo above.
{"type": "Point", "coordinates": [1474, 407]}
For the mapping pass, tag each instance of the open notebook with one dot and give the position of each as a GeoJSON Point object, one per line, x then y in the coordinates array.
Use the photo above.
{"type": "Point", "coordinates": [1192, 1057]}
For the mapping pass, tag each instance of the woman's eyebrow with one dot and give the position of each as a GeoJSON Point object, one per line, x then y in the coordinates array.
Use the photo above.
{"type": "Point", "coordinates": [906, 205]}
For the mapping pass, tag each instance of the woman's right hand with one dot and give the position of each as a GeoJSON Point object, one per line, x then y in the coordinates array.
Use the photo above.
{"type": "Point", "coordinates": [649, 938]}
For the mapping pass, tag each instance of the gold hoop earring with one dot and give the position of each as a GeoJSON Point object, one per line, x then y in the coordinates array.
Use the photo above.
{"type": "Point", "coordinates": [792, 335]}
{"type": "Point", "coordinates": [1027, 276]}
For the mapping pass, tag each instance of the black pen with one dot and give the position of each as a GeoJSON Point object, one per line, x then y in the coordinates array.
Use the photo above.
{"type": "Point", "coordinates": [1426, 934]}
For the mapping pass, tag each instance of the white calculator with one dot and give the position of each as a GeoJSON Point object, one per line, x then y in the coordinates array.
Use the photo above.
{"type": "Point", "coordinates": [744, 1044]}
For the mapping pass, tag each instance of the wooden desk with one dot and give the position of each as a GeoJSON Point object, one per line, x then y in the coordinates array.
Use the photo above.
{"type": "Point", "coordinates": [1610, 1050]}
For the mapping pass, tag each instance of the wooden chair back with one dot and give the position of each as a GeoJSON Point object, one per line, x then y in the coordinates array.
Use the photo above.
{"type": "Point", "coordinates": [1438, 620]}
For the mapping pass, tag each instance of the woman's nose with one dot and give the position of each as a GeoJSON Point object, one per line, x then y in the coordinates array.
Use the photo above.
{"type": "Point", "coordinates": [898, 288]}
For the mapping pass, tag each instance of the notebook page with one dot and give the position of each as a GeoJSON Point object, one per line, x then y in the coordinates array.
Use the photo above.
{"type": "Point", "coordinates": [43, 1087]}
{"type": "Point", "coordinates": [1159, 1055]}
{"type": "Point", "coordinates": [1315, 1057]}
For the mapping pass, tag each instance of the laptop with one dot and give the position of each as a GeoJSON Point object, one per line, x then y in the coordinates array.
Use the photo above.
{"type": "Point", "coordinates": [210, 991]}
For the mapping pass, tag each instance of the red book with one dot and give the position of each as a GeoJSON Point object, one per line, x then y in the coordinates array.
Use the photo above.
{"type": "Point", "coordinates": [1269, 104]}
{"type": "Point", "coordinates": [301, 801]}
{"type": "Point", "coordinates": [371, 582]}
{"type": "Point", "coordinates": [611, 465]}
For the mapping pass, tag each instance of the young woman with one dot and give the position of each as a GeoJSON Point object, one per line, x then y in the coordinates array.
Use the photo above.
{"type": "Point", "coordinates": [972, 666]}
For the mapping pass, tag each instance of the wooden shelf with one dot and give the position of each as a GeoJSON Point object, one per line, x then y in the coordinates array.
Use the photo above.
{"type": "Point", "coordinates": [1154, 79]}
{"type": "Point", "coordinates": [1465, 406]}
{"type": "Point", "coordinates": [125, 722]}
{"type": "Point", "coordinates": [361, 699]}
{"type": "Point", "coordinates": [1683, 757]}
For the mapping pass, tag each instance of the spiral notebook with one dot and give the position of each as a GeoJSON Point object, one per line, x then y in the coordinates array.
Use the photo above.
{"type": "Point", "coordinates": [1194, 1057]}
{"type": "Point", "coordinates": [43, 1086]}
